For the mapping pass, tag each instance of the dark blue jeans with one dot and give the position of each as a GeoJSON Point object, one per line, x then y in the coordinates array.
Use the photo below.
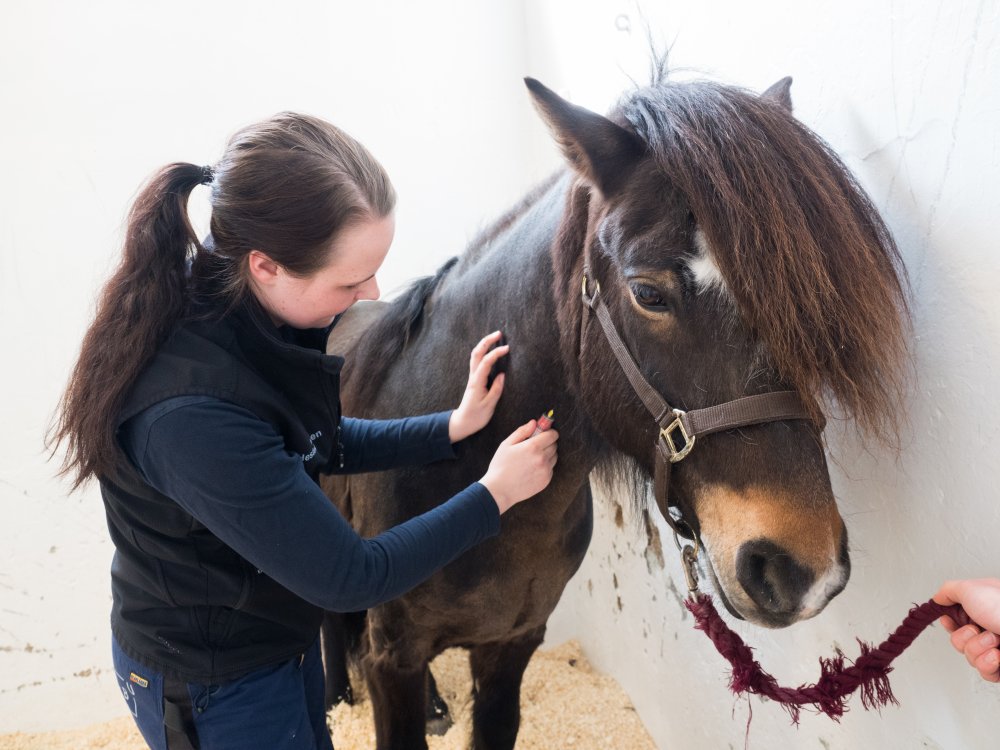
{"type": "Point", "coordinates": [279, 707]}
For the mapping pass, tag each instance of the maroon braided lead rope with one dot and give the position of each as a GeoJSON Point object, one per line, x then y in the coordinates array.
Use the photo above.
{"type": "Point", "coordinates": [836, 683]}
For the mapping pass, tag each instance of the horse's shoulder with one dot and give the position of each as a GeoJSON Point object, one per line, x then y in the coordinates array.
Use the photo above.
{"type": "Point", "coordinates": [352, 323]}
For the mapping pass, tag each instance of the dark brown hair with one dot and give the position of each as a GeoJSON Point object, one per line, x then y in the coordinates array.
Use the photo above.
{"type": "Point", "coordinates": [285, 186]}
{"type": "Point", "coordinates": [812, 266]}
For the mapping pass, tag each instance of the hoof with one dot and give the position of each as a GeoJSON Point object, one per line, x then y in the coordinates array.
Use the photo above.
{"type": "Point", "coordinates": [344, 695]}
{"type": "Point", "coordinates": [438, 717]}
{"type": "Point", "coordinates": [439, 726]}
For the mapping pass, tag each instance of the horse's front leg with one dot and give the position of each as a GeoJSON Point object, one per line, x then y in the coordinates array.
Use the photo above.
{"type": "Point", "coordinates": [395, 668]}
{"type": "Point", "coordinates": [497, 669]}
{"type": "Point", "coordinates": [398, 698]}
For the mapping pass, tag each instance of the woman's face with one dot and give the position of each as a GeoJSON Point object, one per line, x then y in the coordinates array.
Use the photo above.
{"type": "Point", "coordinates": [313, 301]}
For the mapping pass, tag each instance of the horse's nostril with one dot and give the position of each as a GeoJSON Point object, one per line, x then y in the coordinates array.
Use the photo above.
{"type": "Point", "coordinates": [771, 576]}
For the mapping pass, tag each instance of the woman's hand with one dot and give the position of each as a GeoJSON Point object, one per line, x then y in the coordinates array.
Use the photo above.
{"type": "Point", "coordinates": [522, 466]}
{"type": "Point", "coordinates": [478, 402]}
{"type": "Point", "coordinates": [981, 601]}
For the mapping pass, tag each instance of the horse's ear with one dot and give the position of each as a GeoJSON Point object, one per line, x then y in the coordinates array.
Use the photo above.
{"type": "Point", "coordinates": [598, 149]}
{"type": "Point", "coordinates": [780, 93]}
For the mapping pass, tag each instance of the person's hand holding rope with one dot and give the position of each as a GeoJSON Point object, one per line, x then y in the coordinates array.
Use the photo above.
{"type": "Point", "coordinates": [981, 646]}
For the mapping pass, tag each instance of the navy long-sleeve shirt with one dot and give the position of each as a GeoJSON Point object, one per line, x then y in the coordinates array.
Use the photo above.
{"type": "Point", "coordinates": [230, 470]}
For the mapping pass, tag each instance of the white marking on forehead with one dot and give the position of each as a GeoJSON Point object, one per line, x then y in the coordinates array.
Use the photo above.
{"type": "Point", "coordinates": [703, 266]}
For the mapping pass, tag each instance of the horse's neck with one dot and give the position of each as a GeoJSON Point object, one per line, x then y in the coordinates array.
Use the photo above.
{"type": "Point", "coordinates": [508, 285]}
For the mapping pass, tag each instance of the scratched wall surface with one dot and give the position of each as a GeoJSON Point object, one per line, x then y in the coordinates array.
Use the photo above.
{"type": "Point", "coordinates": [99, 95]}
{"type": "Point", "coordinates": [909, 94]}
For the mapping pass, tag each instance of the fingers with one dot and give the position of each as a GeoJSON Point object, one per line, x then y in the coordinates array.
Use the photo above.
{"type": "Point", "coordinates": [522, 433]}
{"type": "Point", "coordinates": [547, 438]}
{"type": "Point", "coordinates": [979, 647]}
{"type": "Point", "coordinates": [496, 390]}
{"type": "Point", "coordinates": [961, 637]}
{"type": "Point", "coordinates": [545, 443]}
{"type": "Point", "coordinates": [485, 343]}
{"type": "Point", "coordinates": [949, 593]}
{"type": "Point", "coordinates": [538, 457]}
{"type": "Point", "coordinates": [479, 371]}
{"type": "Point", "coordinates": [551, 455]}
{"type": "Point", "coordinates": [948, 624]}
{"type": "Point", "coordinates": [988, 665]}
{"type": "Point", "coordinates": [542, 440]}
{"type": "Point", "coordinates": [981, 650]}
{"type": "Point", "coordinates": [981, 644]}
{"type": "Point", "coordinates": [482, 351]}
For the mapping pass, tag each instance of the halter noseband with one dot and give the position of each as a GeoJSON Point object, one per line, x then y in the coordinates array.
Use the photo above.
{"type": "Point", "coordinates": [682, 428]}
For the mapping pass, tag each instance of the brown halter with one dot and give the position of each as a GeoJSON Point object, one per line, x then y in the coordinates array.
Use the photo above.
{"type": "Point", "coordinates": [682, 428]}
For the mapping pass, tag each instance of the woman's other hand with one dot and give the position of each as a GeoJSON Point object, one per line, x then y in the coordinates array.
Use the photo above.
{"type": "Point", "coordinates": [479, 402]}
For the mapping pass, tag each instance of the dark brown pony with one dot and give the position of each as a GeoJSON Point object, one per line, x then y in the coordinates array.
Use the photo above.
{"type": "Point", "coordinates": [737, 256]}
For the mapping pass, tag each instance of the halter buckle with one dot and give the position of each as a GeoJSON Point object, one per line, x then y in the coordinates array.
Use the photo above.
{"type": "Point", "coordinates": [586, 297]}
{"type": "Point", "coordinates": [667, 435]}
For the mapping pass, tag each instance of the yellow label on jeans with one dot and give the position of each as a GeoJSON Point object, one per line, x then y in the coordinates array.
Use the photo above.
{"type": "Point", "coordinates": [140, 681]}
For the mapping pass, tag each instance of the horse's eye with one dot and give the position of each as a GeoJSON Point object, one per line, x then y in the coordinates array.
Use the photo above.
{"type": "Point", "coordinates": [649, 297]}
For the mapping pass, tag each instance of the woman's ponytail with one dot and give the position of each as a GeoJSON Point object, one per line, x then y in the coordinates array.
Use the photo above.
{"type": "Point", "coordinates": [136, 310]}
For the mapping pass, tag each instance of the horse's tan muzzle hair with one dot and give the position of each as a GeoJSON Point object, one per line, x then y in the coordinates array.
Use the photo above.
{"type": "Point", "coordinates": [775, 558]}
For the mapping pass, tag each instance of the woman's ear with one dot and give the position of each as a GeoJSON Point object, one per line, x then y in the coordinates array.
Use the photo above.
{"type": "Point", "coordinates": [262, 269]}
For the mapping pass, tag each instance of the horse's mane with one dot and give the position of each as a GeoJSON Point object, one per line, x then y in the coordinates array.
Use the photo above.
{"type": "Point", "coordinates": [387, 337]}
{"type": "Point", "coordinates": [385, 340]}
{"type": "Point", "coordinates": [811, 265]}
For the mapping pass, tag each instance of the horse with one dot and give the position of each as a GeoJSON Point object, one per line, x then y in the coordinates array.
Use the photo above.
{"type": "Point", "coordinates": [734, 258]}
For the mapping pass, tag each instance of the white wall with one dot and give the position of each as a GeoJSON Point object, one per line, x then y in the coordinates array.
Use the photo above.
{"type": "Point", "coordinates": [98, 95]}
{"type": "Point", "coordinates": [909, 94]}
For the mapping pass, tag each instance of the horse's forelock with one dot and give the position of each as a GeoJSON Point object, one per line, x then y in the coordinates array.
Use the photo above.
{"type": "Point", "coordinates": [806, 256]}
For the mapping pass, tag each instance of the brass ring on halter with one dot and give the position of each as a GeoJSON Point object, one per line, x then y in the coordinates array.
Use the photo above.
{"type": "Point", "coordinates": [680, 548]}
{"type": "Point", "coordinates": [586, 296]}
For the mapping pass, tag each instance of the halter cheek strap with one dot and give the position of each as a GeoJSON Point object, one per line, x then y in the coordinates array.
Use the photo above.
{"type": "Point", "coordinates": [678, 430]}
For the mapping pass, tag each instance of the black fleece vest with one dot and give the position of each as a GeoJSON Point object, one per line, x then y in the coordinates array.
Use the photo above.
{"type": "Point", "coordinates": [183, 602]}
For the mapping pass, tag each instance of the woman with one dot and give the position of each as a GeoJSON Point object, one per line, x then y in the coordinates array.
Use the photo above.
{"type": "Point", "coordinates": [204, 404]}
